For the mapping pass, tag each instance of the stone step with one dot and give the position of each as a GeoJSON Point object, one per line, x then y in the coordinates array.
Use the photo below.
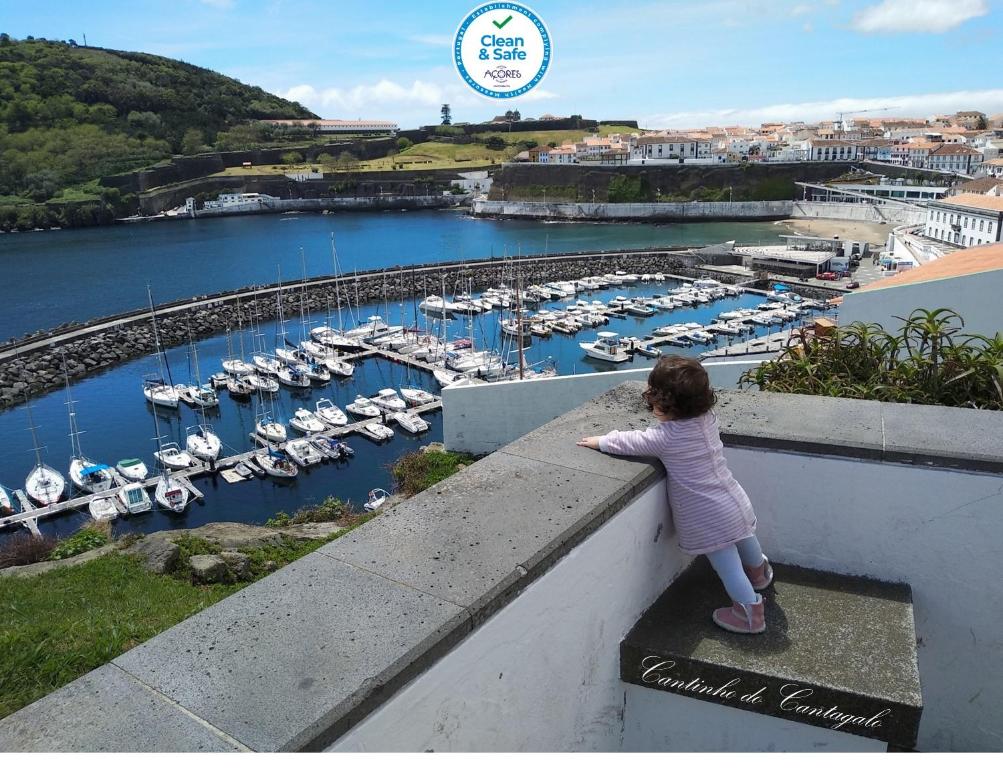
{"type": "Point", "coordinates": [838, 652]}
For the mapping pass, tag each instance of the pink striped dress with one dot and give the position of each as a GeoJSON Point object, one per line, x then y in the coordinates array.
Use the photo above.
{"type": "Point", "coordinates": [709, 508]}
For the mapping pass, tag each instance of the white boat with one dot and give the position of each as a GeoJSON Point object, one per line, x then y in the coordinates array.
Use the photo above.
{"type": "Point", "coordinates": [436, 305]}
{"type": "Point", "coordinates": [276, 465]}
{"type": "Point", "coordinates": [306, 421]}
{"type": "Point", "coordinates": [447, 378]}
{"type": "Point", "coordinates": [266, 365]}
{"type": "Point", "coordinates": [388, 400]}
{"type": "Point", "coordinates": [44, 485]}
{"type": "Point", "coordinates": [374, 327]}
{"type": "Point", "coordinates": [700, 337]}
{"type": "Point", "coordinates": [90, 477]}
{"type": "Point", "coordinates": [411, 422]}
{"type": "Point", "coordinates": [160, 393]}
{"type": "Point", "coordinates": [172, 457]}
{"type": "Point", "coordinates": [377, 498]}
{"type": "Point", "coordinates": [170, 494]}
{"type": "Point", "coordinates": [261, 382]}
{"type": "Point", "coordinates": [203, 443]}
{"type": "Point", "coordinates": [134, 499]}
{"type": "Point", "coordinates": [314, 349]}
{"type": "Point", "coordinates": [377, 431]}
{"type": "Point", "coordinates": [6, 508]}
{"type": "Point", "coordinates": [339, 367]}
{"type": "Point", "coordinates": [363, 407]}
{"type": "Point", "coordinates": [704, 284]}
{"type": "Point", "coordinates": [103, 508]}
{"type": "Point", "coordinates": [294, 377]}
{"type": "Point", "coordinates": [606, 347]}
{"type": "Point", "coordinates": [414, 396]}
{"type": "Point", "coordinates": [304, 452]}
{"type": "Point", "coordinates": [270, 430]}
{"type": "Point", "coordinates": [331, 414]}
{"type": "Point", "coordinates": [237, 367]}
{"type": "Point", "coordinates": [132, 469]}
{"type": "Point", "coordinates": [204, 396]}
{"type": "Point", "coordinates": [317, 372]}
{"type": "Point", "coordinates": [639, 309]}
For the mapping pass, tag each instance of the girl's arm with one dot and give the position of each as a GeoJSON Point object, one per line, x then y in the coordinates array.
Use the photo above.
{"type": "Point", "coordinates": [636, 442]}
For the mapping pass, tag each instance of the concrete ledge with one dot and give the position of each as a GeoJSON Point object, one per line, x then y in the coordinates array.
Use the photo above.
{"type": "Point", "coordinates": [839, 652]}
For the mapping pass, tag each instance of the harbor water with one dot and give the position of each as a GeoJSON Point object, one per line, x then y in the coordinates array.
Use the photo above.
{"type": "Point", "coordinates": [118, 423]}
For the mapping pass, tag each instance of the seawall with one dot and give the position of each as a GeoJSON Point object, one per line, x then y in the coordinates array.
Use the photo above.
{"type": "Point", "coordinates": [763, 210]}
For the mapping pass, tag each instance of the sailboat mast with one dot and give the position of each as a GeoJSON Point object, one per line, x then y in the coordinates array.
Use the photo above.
{"type": "Point", "coordinates": [34, 436]}
{"type": "Point", "coordinates": [75, 452]}
{"type": "Point", "coordinates": [337, 282]}
{"type": "Point", "coordinates": [518, 320]}
{"type": "Point", "coordinates": [278, 301]}
{"type": "Point", "coordinates": [240, 329]}
{"type": "Point", "coordinates": [304, 336]}
{"type": "Point", "coordinates": [161, 357]}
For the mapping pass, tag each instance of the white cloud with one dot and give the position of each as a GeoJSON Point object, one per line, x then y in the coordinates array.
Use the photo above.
{"type": "Point", "coordinates": [932, 16]}
{"type": "Point", "coordinates": [920, 106]}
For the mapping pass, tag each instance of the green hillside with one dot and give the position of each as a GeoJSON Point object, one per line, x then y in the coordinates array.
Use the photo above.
{"type": "Point", "coordinates": [70, 114]}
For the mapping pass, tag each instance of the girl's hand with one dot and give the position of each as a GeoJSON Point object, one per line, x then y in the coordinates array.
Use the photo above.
{"type": "Point", "coordinates": [589, 442]}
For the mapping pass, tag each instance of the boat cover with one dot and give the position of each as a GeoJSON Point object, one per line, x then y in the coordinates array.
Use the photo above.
{"type": "Point", "coordinates": [93, 470]}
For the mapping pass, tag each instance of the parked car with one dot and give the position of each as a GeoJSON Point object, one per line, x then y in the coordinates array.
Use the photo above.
{"type": "Point", "coordinates": [828, 276]}
{"type": "Point", "coordinates": [853, 284]}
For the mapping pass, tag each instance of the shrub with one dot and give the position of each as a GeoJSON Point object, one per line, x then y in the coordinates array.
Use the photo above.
{"type": "Point", "coordinates": [928, 362]}
{"type": "Point", "coordinates": [84, 540]}
{"type": "Point", "coordinates": [415, 472]}
{"type": "Point", "coordinates": [25, 549]}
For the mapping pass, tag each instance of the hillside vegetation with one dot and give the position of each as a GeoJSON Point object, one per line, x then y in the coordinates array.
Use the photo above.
{"type": "Point", "coordinates": [69, 115]}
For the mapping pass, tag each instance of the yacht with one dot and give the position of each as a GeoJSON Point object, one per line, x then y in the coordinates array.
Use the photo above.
{"type": "Point", "coordinates": [388, 400]}
{"type": "Point", "coordinates": [306, 421]}
{"type": "Point", "coordinates": [304, 452]}
{"type": "Point", "coordinates": [415, 397]}
{"type": "Point", "coordinates": [606, 347]}
{"type": "Point", "coordinates": [363, 408]}
{"type": "Point", "coordinates": [377, 431]}
{"type": "Point", "coordinates": [411, 422]}
{"type": "Point", "coordinates": [103, 508]}
{"type": "Point", "coordinates": [437, 306]}
{"type": "Point", "coordinates": [331, 414]}
{"type": "Point", "coordinates": [132, 469]}
{"type": "Point", "coordinates": [203, 443]}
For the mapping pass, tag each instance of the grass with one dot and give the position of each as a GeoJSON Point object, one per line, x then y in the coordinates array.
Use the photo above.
{"type": "Point", "coordinates": [418, 471]}
{"type": "Point", "coordinates": [57, 626]}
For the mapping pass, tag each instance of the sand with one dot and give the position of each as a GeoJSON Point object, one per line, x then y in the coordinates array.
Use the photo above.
{"type": "Point", "coordinates": [869, 231]}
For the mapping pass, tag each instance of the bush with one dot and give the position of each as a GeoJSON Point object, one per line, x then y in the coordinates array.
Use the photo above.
{"type": "Point", "coordinates": [291, 158]}
{"type": "Point", "coordinates": [25, 549]}
{"type": "Point", "coordinates": [328, 511]}
{"type": "Point", "coordinates": [84, 540]}
{"type": "Point", "coordinates": [416, 472]}
{"type": "Point", "coordinates": [928, 362]}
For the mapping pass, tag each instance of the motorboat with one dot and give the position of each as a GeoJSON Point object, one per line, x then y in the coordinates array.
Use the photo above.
{"type": "Point", "coordinates": [306, 421]}
{"type": "Point", "coordinates": [606, 347]}
{"type": "Point", "coordinates": [218, 380]}
{"type": "Point", "coordinates": [172, 457]}
{"type": "Point", "coordinates": [335, 449]}
{"type": "Point", "coordinates": [6, 508]}
{"type": "Point", "coordinates": [639, 309]}
{"type": "Point", "coordinates": [339, 367]}
{"type": "Point", "coordinates": [700, 337]}
{"type": "Point", "coordinates": [103, 508]}
{"type": "Point", "coordinates": [377, 431]}
{"type": "Point", "coordinates": [202, 442]}
{"type": "Point", "coordinates": [277, 465]}
{"type": "Point", "coordinates": [415, 397]}
{"type": "Point", "coordinates": [236, 367]}
{"type": "Point", "coordinates": [377, 498]}
{"type": "Point", "coordinates": [446, 378]}
{"type": "Point", "coordinates": [90, 477]}
{"type": "Point", "coordinates": [294, 377]}
{"type": "Point", "coordinates": [638, 346]}
{"type": "Point", "coordinates": [238, 388]}
{"type": "Point", "coordinates": [371, 329]}
{"type": "Point", "coordinates": [388, 400]}
{"type": "Point", "coordinates": [170, 494]}
{"type": "Point", "coordinates": [437, 305]}
{"type": "Point", "coordinates": [270, 430]}
{"type": "Point", "coordinates": [132, 469]}
{"type": "Point", "coordinates": [705, 283]}
{"type": "Point", "coordinates": [411, 422]}
{"type": "Point", "coordinates": [304, 452]}
{"type": "Point", "coordinates": [625, 277]}
{"type": "Point", "coordinates": [331, 414]}
{"type": "Point", "coordinates": [261, 382]}
{"type": "Point", "coordinates": [161, 394]}
{"type": "Point", "coordinates": [363, 408]}
{"type": "Point", "coordinates": [134, 499]}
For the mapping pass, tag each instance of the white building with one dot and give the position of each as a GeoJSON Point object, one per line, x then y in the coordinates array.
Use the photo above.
{"type": "Point", "coordinates": [953, 158]}
{"type": "Point", "coordinates": [965, 220]}
{"type": "Point", "coordinates": [671, 147]}
{"type": "Point", "coordinates": [829, 150]}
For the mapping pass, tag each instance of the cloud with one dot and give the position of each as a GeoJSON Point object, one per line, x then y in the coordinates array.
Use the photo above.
{"type": "Point", "coordinates": [933, 16]}
{"type": "Point", "coordinates": [920, 106]}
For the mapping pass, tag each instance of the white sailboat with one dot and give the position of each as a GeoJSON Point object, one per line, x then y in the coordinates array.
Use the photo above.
{"type": "Point", "coordinates": [86, 475]}
{"type": "Point", "coordinates": [266, 427]}
{"type": "Point", "coordinates": [261, 382]}
{"type": "Point", "coordinates": [203, 442]}
{"type": "Point", "coordinates": [44, 485]}
{"type": "Point", "coordinates": [172, 457]}
{"type": "Point", "coordinates": [236, 366]}
{"type": "Point", "coordinates": [276, 464]}
{"type": "Point", "coordinates": [170, 495]}
{"type": "Point", "coordinates": [155, 388]}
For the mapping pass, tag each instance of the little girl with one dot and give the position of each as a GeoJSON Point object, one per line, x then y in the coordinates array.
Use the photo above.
{"type": "Point", "coordinates": [712, 514]}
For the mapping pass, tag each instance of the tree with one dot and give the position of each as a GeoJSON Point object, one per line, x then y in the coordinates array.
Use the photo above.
{"type": "Point", "coordinates": [981, 124]}
{"type": "Point", "coordinates": [192, 142]}
{"type": "Point", "coordinates": [403, 143]}
{"type": "Point", "coordinates": [291, 158]}
{"type": "Point", "coordinates": [346, 160]}
{"type": "Point", "coordinates": [496, 143]}
{"type": "Point", "coordinates": [447, 115]}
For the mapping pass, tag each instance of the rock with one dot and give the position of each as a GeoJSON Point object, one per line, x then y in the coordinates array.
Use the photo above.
{"type": "Point", "coordinates": [432, 448]}
{"type": "Point", "coordinates": [50, 565]}
{"type": "Point", "coordinates": [238, 564]}
{"type": "Point", "coordinates": [311, 531]}
{"type": "Point", "coordinates": [238, 535]}
{"type": "Point", "coordinates": [159, 553]}
{"type": "Point", "coordinates": [209, 569]}
{"type": "Point", "coordinates": [270, 565]}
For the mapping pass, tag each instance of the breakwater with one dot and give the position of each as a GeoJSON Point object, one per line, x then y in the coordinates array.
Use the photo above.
{"type": "Point", "coordinates": [34, 364]}
{"type": "Point", "coordinates": [760, 210]}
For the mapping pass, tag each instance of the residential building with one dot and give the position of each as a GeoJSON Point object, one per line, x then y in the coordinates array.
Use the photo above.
{"type": "Point", "coordinates": [953, 158]}
{"type": "Point", "coordinates": [829, 150]}
{"type": "Point", "coordinates": [967, 219]}
{"type": "Point", "coordinates": [539, 154]}
{"type": "Point", "coordinates": [562, 156]}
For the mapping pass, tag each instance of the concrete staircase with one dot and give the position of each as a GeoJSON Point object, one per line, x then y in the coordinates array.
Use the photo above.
{"type": "Point", "coordinates": [836, 668]}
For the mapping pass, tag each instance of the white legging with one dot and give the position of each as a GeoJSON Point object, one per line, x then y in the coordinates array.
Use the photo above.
{"type": "Point", "coordinates": [728, 564]}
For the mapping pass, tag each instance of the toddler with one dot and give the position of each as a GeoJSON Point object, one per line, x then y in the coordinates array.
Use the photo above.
{"type": "Point", "coordinates": [712, 514]}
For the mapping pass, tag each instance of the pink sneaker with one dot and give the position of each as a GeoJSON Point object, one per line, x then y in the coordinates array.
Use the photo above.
{"type": "Point", "coordinates": [744, 618]}
{"type": "Point", "coordinates": [761, 576]}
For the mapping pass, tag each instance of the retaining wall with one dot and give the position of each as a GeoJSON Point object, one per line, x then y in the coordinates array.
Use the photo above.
{"type": "Point", "coordinates": [764, 210]}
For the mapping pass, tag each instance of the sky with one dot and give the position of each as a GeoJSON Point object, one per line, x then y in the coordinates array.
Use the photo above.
{"type": "Point", "coordinates": [669, 64]}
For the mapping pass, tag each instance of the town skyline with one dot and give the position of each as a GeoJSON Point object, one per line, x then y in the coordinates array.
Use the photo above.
{"type": "Point", "coordinates": [346, 63]}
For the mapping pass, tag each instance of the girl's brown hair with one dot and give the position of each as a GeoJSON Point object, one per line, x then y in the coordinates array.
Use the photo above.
{"type": "Point", "coordinates": [679, 387]}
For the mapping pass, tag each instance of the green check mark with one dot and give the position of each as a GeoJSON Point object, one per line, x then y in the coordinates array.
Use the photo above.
{"type": "Point", "coordinates": [502, 24]}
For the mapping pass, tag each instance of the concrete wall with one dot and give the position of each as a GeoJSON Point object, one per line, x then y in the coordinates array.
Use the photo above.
{"type": "Point", "coordinates": [758, 210]}
{"type": "Point", "coordinates": [974, 297]}
{"type": "Point", "coordinates": [483, 418]}
{"type": "Point", "coordinates": [882, 214]}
